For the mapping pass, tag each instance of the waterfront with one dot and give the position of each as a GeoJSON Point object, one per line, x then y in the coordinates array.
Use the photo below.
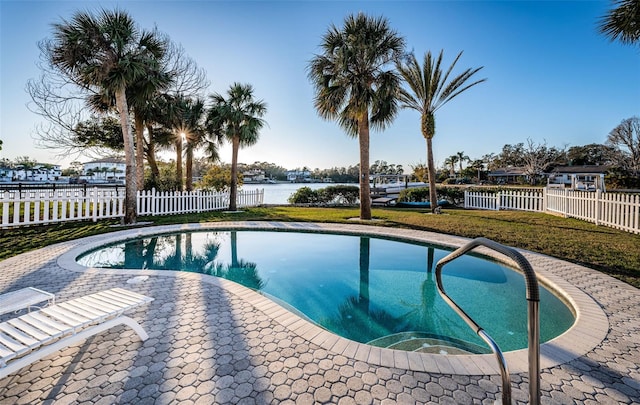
{"type": "Point", "coordinates": [279, 193]}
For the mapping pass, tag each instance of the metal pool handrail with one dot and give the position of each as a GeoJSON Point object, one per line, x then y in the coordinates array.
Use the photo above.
{"type": "Point", "coordinates": [533, 316]}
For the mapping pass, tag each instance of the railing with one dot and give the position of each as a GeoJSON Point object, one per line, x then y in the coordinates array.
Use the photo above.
{"type": "Point", "coordinates": [35, 207]}
{"type": "Point", "coordinates": [616, 210]}
{"type": "Point", "coordinates": [533, 315]}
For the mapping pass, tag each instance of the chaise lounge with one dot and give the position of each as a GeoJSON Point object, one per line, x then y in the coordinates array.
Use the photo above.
{"type": "Point", "coordinates": [37, 334]}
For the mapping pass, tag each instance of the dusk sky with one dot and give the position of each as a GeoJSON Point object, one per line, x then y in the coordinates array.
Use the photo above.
{"type": "Point", "coordinates": [551, 76]}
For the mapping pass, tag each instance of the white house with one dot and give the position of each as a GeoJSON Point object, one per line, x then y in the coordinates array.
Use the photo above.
{"type": "Point", "coordinates": [253, 176]}
{"type": "Point", "coordinates": [588, 177]}
{"type": "Point", "coordinates": [299, 176]}
{"type": "Point", "coordinates": [104, 170]}
{"type": "Point", "coordinates": [39, 172]}
{"type": "Point", "coordinates": [6, 174]}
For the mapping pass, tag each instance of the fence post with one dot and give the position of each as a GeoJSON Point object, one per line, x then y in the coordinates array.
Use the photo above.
{"type": "Point", "coordinates": [597, 207]}
{"type": "Point", "coordinates": [152, 201]}
{"type": "Point", "coordinates": [95, 204]}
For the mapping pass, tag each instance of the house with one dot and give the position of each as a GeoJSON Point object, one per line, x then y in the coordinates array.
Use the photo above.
{"type": "Point", "coordinates": [6, 174]}
{"type": "Point", "coordinates": [253, 176]}
{"type": "Point", "coordinates": [588, 177]}
{"type": "Point", "coordinates": [299, 176]}
{"type": "Point", "coordinates": [39, 172]}
{"type": "Point", "coordinates": [508, 175]}
{"type": "Point", "coordinates": [110, 170]}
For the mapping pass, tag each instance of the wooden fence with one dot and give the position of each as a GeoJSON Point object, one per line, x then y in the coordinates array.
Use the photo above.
{"type": "Point", "coordinates": [616, 210]}
{"type": "Point", "coordinates": [35, 207]}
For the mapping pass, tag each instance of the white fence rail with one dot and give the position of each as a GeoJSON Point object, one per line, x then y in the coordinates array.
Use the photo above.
{"type": "Point", "coordinates": [35, 207]}
{"type": "Point", "coordinates": [151, 202]}
{"type": "Point", "coordinates": [616, 210]}
{"type": "Point", "coordinates": [505, 200]}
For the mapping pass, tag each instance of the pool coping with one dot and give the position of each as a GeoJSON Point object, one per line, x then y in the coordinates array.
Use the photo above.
{"type": "Point", "coordinates": [589, 330]}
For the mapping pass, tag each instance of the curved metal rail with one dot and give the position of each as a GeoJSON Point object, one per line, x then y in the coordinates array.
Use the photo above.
{"type": "Point", "coordinates": [533, 298]}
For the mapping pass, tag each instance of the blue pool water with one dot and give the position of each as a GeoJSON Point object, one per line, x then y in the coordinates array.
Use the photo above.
{"type": "Point", "coordinates": [367, 289]}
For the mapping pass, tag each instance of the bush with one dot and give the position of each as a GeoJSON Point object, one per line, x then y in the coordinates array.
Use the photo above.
{"type": "Point", "coordinates": [328, 195]}
{"type": "Point", "coordinates": [417, 194]}
{"type": "Point", "coordinates": [304, 195]}
{"type": "Point", "coordinates": [455, 195]}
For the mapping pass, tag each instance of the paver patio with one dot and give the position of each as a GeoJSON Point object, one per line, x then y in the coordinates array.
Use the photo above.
{"type": "Point", "coordinates": [213, 341]}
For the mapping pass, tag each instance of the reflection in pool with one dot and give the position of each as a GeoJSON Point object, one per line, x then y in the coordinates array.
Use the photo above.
{"type": "Point", "coordinates": [367, 289]}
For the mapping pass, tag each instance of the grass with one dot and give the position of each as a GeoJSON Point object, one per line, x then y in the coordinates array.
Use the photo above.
{"type": "Point", "coordinates": [608, 250]}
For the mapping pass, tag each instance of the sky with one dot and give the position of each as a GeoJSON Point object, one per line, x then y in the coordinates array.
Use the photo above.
{"type": "Point", "coordinates": [552, 78]}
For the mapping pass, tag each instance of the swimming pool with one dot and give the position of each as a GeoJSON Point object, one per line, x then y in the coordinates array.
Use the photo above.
{"type": "Point", "coordinates": [368, 289]}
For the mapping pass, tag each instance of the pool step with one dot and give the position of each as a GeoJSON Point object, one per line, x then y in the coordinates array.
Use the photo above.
{"type": "Point", "coordinates": [422, 343]}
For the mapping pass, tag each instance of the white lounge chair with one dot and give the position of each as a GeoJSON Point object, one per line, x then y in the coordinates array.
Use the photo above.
{"type": "Point", "coordinates": [32, 336]}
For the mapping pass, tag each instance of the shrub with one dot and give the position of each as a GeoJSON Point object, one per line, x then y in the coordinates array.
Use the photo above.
{"type": "Point", "coordinates": [327, 195]}
{"type": "Point", "coordinates": [417, 194]}
{"type": "Point", "coordinates": [304, 195]}
{"type": "Point", "coordinates": [455, 195]}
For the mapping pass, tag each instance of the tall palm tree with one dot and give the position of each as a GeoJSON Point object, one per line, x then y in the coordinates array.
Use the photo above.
{"type": "Point", "coordinates": [429, 89]}
{"type": "Point", "coordinates": [238, 119]}
{"type": "Point", "coordinates": [141, 97]}
{"type": "Point", "coordinates": [461, 159]}
{"type": "Point", "coordinates": [622, 22]}
{"type": "Point", "coordinates": [107, 53]}
{"type": "Point", "coordinates": [355, 85]}
{"type": "Point", "coordinates": [142, 94]}
{"type": "Point", "coordinates": [193, 126]}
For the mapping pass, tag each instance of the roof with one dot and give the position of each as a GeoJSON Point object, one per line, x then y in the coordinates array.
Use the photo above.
{"type": "Point", "coordinates": [585, 169]}
{"type": "Point", "coordinates": [508, 171]}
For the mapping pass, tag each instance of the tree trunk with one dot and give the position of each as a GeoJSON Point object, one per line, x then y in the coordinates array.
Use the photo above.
{"type": "Point", "coordinates": [139, 124]}
{"type": "Point", "coordinates": [233, 192]}
{"type": "Point", "coordinates": [433, 196]}
{"type": "Point", "coordinates": [365, 191]}
{"type": "Point", "coordinates": [179, 162]}
{"type": "Point", "coordinates": [189, 169]}
{"type": "Point", "coordinates": [151, 156]}
{"type": "Point", "coordinates": [131, 188]}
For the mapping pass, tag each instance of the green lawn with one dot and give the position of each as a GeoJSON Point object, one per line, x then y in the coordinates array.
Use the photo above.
{"type": "Point", "coordinates": [608, 250]}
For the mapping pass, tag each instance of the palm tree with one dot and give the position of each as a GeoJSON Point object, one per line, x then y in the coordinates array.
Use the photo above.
{"type": "Point", "coordinates": [194, 115]}
{"type": "Point", "coordinates": [141, 94]}
{"type": "Point", "coordinates": [622, 22]}
{"type": "Point", "coordinates": [451, 163]}
{"type": "Point", "coordinates": [238, 119]}
{"type": "Point", "coordinates": [461, 159]}
{"type": "Point", "coordinates": [106, 53]}
{"type": "Point", "coordinates": [429, 90]}
{"type": "Point", "coordinates": [354, 86]}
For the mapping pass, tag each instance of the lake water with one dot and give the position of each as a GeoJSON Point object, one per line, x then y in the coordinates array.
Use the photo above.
{"type": "Point", "coordinates": [280, 193]}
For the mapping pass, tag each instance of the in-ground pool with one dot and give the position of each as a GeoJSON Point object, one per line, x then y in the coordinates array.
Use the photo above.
{"type": "Point", "coordinates": [368, 289]}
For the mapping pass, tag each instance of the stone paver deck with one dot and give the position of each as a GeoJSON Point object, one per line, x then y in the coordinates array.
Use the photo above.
{"type": "Point", "coordinates": [213, 341]}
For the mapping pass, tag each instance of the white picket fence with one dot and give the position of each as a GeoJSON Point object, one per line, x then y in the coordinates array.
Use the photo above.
{"type": "Point", "coordinates": [616, 210]}
{"type": "Point", "coordinates": [34, 207]}
{"type": "Point", "coordinates": [151, 202]}
{"type": "Point", "coordinates": [506, 200]}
